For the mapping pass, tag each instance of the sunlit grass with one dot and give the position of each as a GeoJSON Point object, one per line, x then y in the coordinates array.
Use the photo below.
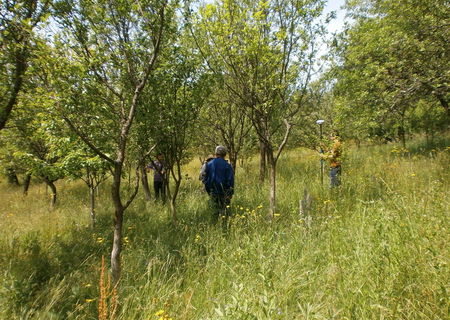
{"type": "Point", "coordinates": [376, 248]}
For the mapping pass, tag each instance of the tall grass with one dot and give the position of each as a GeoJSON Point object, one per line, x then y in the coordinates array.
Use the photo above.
{"type": "Point", "coordinates": [376, 248]}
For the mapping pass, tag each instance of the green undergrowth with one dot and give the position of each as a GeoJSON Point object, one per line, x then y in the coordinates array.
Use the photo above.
{"type": "Point", "coordinates": [375, 248]}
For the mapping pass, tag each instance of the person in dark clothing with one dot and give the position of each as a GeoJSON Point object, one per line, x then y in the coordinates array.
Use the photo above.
{"type": "Point", "coordinates": [219, 182]}
{"type": "Point", "coordinates": [158, 176]}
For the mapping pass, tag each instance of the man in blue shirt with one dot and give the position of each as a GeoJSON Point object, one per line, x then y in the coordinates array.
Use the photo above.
{"type": "Point", "coordinates": [219, 181]}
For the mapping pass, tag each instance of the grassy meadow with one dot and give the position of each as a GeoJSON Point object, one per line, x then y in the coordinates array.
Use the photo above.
{"type": "Point", "coordinates": [375, 248]}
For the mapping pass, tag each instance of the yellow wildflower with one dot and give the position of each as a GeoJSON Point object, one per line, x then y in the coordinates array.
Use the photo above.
{"type": "Point", "coordinates": [159, 313]}
{"type": "Point", "coordinates": [276, 214]}
{"type": "Point", "coordinates": [89, 300]}
{"type": "Point", "coordinates": [100, 240]}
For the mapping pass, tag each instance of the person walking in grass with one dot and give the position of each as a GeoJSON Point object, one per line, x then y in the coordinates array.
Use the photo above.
{"type": "Point", "coordinates": [158, 176]}
{"type": "Point", "coordinates": [334, 156]}
{"type": "Point", "coordinates": [219, 182]}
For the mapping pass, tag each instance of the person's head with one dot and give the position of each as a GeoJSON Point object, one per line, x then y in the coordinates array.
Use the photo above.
{"type": "Point", "coordinates": [209, 158]}
{"type": "Point", "coordinates": [221, 151]}
{"type": "Point", "coordinates": [159, 157]}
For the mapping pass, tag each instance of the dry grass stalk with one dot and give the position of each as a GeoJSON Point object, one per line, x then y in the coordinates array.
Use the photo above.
{"type": "Point", "coordinates": [108, 299]}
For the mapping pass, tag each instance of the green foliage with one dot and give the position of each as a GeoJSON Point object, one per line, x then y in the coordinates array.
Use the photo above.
{"type": "Point", "coordinates": [19, 19]}
{"type": "Point", "coordinates": [263, 54]}
{"type": "Point", "coordinates": [31, 145]}
{"type": "Point", "coordinates": [391, 62]}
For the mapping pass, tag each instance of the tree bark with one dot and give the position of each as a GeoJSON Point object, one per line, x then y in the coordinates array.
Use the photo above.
{"type": "Point", "coordinates": [173, 196]}
{"type": "Point", "coordinates": [262, 161]}
{"type": "Point", "coordinates": [233, 160]}
{"type": "Point", "coordinates": [273, 184]}
{"type": "Point", "coordinates": [144, 181]}
{"type": "Point", "coordinates": [116, 251]}
{"type": "Point", "coordinates": [92, 205]}
{"type": "Point", "coordinates": [118, 223]}
{"type": "Point", "coordinates": [26, 183]}
{"type": "Point", "coordinates": [52, 187]}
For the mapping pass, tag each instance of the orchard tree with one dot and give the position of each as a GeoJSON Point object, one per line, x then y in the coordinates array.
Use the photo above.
{"type": "Point", "coordinates": [394, 56]}
{"type": "Point", "coordinates": [105, 53]}
{"type": "Point", "coordinates": [171, 107]}
{"type": "Point", "coordinates": [264, 53]}
{"type": "Point", "coordinates": [32, 139]}
{"type": "Point", "coordinates": [223, 122]}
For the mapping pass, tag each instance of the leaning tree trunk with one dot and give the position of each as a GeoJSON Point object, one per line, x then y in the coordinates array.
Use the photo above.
{"type": "Point", "coordinates": [144, 181]}
{"type": "Point", "coordinates": [26, 183]}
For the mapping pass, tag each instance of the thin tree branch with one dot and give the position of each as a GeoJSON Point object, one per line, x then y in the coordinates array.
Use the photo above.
{"type": "Point", "coordinates": [285, 139]}
{"type": "Point", "coordinates": [87, 141]}
{"type": "Point", "coordinates": [136, 189]}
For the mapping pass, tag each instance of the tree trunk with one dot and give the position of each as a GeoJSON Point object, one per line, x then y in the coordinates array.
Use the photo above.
{"type": "Point", "coordinates": [273, 181]}
{"type": "Point", "coordinates": [52, 187]}
{"type": "Point", "coordinates": [118, 223]}
{"type": "Point", "coordinates": [26, 183]}
{"type": "Point", "coordinates": [173, 199]}
{"type": "Point", "coordinates": [145, 186]}
{"type": "Point", "coordinates": [116, 268]}
{"type": "Point", "coordinates": [402, 134]}
{"type": "Point", "coordinates": [12, 177]}
{"type": "Point", "coordinates": [173, 196]}
{"type": "Point", "coordinates": [92, 203]}
{"type": "Point", "coordinates": [233, 160]}
{"type": "Point", "coordinates": [262, 161]}
{"type": "Point", "coordinates": [444, 104]}
{"type": "Point", "coordinates": [173, 209]}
